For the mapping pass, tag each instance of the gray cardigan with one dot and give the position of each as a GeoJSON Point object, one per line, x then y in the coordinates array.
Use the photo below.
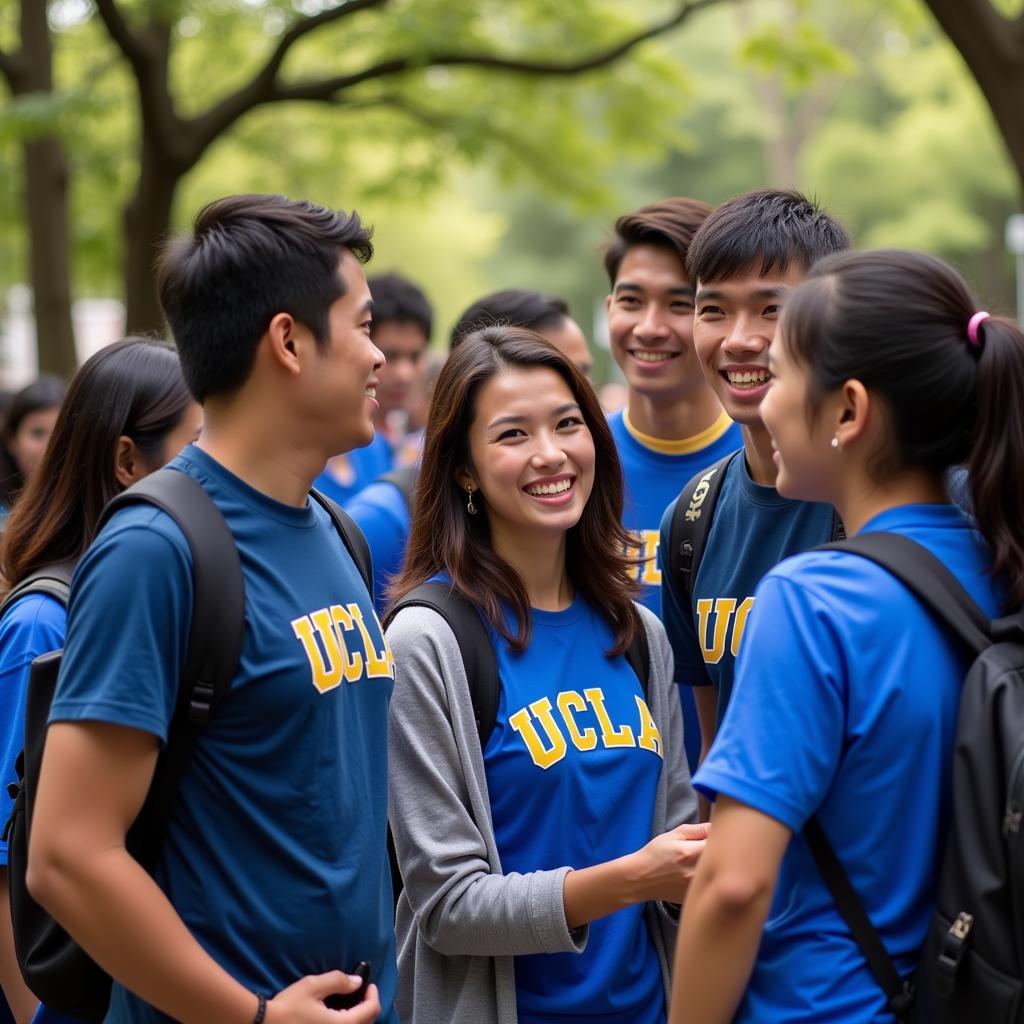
{"type": "Point", "coordinates": [460, 920]}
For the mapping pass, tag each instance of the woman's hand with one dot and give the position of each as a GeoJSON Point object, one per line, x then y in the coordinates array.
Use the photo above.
{"type": "Point", "coordinates": [664, 868]}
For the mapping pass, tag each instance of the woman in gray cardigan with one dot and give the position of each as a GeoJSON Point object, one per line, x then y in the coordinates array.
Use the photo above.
{"type": "Point", "coordinates": [539, 873]}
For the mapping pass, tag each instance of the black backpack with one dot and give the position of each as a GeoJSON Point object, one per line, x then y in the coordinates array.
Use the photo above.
{"type": "Point", "coordinates": [55, 968]}
{"type": "Point", "coordinates": [972, 964]}
{"type": "Point", "coordinates": [691, 523]}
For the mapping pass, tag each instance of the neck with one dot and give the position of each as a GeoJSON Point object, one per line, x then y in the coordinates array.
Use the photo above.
{"type": "Point", "coordinates": [540, 561]}
{"type": "Point", "coordinates": [757, 447]}
{"type": "Point", "coordinates": [252, 445]}
{"type": "Point", "coordinates": [675, 418]}
{"type": "Point", "coordinates": [861, 498]}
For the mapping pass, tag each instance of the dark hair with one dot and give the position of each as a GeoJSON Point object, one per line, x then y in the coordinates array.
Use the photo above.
{"type": "Point", "coordinates": [134, 388]}
{"type": "Point", "coordinates": [397, 300]}
{"type": "Point", "coordinates": [513, 307]}
{"type": "Point", "coordinates": [444, 539]}
{"type": "Point", "coordinates": [670, 223]}
{"type": "Point", "coordinates": [249, 258]}
{"type": "Point", "coordinates": [897, 322]}
{"type": "Point", "coordinates": [45, 392]}
{"type": "Point", "coordinates": [771, 227]}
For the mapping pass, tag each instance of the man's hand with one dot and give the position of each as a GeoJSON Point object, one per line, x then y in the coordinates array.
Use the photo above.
{"type": "Point", "coordinates": [303, 1002]}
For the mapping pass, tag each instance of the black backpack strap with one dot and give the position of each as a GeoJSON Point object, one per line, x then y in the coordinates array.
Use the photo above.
{"type": "Point", "coordinates": [353, 537]}
{"type": "Point", "coordinates": [404, 478]}
{"type": "Point", "coordinates": [838, 528]}
{"type": "Point", "coordinates": [475, 646]}
{"type": "Point", "coordinates": [927, 579]}
{"type": "Point", "coordinates": [691, 523]}
{"type": "Point", "coordinates": [53, 580]}
{"type": "Point", "coordinates": [638, 655]}
{"type": "Point", "coordinates": [215, 637]}
{"type": "Point", "coordinates": [899, 992]}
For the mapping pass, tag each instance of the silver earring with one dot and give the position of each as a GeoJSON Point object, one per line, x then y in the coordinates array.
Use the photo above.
{"type": "Point", "coordinates": [470, 507]}
{"type": "Point", "coordinates": [835, 441]}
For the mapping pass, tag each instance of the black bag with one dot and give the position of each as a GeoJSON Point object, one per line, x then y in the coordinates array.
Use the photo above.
{"type": "Point", "coordinates": [55, 968]}
{"type": "Point", "coordinates": [691, 523]}
{"type": "Point", "coordinates": [972, 964]}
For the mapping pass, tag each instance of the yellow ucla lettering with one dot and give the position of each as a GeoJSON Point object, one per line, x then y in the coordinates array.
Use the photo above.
{"type": "Point", "coordinates": [568, 702]}
{"type": "Point", "coordinates": [649, 736]}
{"type": "Point", "coordinates": [521, 723]}
{"type": "Point", "coordinates": [652, 574]}
{"type": "Point", "coordinates": [377, 664]}
{"type": "Point", "coordinates": [742, 613]}
{"type": "Point", "coordinates": [723, 610]}
{"type": "Point", "coordinates": [610, 736]}
{"type": "Point", "coordinates": [343, 624]}
{"type": "Point", "coordinates": [325, 665]}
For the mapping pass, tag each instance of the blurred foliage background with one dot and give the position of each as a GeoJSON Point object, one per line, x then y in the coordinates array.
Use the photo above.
{"type": "Point", "coordinates": [477, 180]}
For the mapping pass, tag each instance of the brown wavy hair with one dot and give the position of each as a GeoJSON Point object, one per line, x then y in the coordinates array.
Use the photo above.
{"type": "Point", "coordinates": [444, 539]}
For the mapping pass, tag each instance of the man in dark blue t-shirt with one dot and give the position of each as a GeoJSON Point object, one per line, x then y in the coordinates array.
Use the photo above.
{"type": "Point", "coordinates": [273, 879]}
{"type": "Point", "coordinates": [743, 260]}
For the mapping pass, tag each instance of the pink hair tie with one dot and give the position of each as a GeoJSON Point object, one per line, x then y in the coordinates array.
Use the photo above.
{"type": "Point", "coordinates": [972, 327]}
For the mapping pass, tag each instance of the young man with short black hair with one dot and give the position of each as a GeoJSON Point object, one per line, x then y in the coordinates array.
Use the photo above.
{"type": "Point", "coordinates": [273, 878]}
{"type": "Point", "coordinates": [744, 259]}
{"type": "Point", "coordinates": [673, 424]}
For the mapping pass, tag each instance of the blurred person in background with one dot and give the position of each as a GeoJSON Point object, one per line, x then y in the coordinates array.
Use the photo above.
{"type": "Point", "coordinates": [126, 414]}
{"type": "Point", "coordinates": [30, 419]}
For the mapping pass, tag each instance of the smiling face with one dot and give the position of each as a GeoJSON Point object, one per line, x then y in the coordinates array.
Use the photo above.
{"type": "Point", "coordinates": [650, 324]}
{"type": "Point", "coordinates": [531, 452]}
{"type": "Point", "coordinates": [734, 325]}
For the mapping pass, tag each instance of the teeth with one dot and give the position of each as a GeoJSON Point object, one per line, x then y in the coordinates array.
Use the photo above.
{"type": "Point", "coordinates": [371, 392]}
{"type": "Point", "coordinates": [652, 357]}
{"type": "Point", "coordinates": [559, 488]}
{"type": "Point", "coordinates": [749, 377]}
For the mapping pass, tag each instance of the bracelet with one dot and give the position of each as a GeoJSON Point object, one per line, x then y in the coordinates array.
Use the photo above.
{"type": "Point", "coordinates": [261, 1009]}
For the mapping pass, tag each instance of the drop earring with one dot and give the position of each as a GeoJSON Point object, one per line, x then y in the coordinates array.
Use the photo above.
{"type": "Point", "coordinates": [470, 507]}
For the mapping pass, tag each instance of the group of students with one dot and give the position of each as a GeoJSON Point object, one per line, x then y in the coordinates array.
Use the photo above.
{"type": "Point", "coordinates": [553, 866]}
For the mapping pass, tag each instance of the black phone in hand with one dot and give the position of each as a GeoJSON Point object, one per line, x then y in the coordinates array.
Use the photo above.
{"type": "Point", "coordinates": [338, 1001]}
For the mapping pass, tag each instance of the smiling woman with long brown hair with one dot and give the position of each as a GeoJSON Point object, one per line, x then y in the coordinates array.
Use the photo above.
{"type": "Point", "coordinates": [534, 868]}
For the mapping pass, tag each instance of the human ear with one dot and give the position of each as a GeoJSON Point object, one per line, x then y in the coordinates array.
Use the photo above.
{"type": "Point", "coordinates": [853, 412]}
{"type": "Point", "coordinates": [465, 479]}
{"type": "Point", "coordinates": [129, 466]}
{"type": "Point", "coordinates": [282, 342]}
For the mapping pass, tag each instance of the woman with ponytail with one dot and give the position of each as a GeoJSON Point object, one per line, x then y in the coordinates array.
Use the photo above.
{"type": "Point", "coordinates": [885, 375]}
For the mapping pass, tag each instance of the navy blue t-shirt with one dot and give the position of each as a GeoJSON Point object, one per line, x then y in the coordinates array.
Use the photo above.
{"type": "Point", "coordinates": [572, 770]}
{"type": "Point", "coordinates": [275, 857]}
{"type": "Point", "coordinates": [753, 529]}
{"type": "Point", "coordinates": [845, 707]}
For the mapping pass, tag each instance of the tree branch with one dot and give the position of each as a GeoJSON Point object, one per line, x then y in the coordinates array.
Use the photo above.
{"type": "Point", "coordinates": [118, 30]}
{"type": "Point", "coordinates": [265, 88]}
{"type": "Point", "coordinates": [980, 32]}
{"type": "Point", "coordinates": [10, 68]}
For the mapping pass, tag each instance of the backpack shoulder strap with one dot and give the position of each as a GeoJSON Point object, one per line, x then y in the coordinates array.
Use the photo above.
{"type": "Point", "coordinates": [638, 655]}
{"type": "Point", "coordinates": [475, 646]}
{"type": "Point", "coordinates": [898, 991]}
{"type": "Point", "coordinates": [53, 580]}
{"type": "Point", "coordinates": [691, 522]}
{"type": "Point", "coordinates": [404, 478]}
{"type": "Point", "coordinates": [927, 579]}
{"type": "Point", "coordinates": [352, 536]}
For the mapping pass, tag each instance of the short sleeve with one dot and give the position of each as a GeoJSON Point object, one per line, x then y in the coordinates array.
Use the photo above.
{"type": "Point", "coordinates": [128, 626]}
{"type": "Point", "coordinates": [677, 616]}
{"type": "Point", "coordinates": [780, 742]}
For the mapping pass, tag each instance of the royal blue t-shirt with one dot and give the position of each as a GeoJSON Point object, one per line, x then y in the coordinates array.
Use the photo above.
{"type": "Point", "coordinates": [365, 465]}
{"type": "Point", "coordinates": [572, 770]}
{"type": "Point", "coordinates": [845, 707]}
{"type": "Point", "coordinates": [654, 472]}
{"type": "Point", "coordinates": [381, 512]}
{"type": "Point", "coordinates": [753, 529]}
{"type": "Point", "coordinates": [275, 856]}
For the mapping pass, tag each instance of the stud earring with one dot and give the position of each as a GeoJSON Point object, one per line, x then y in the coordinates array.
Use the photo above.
{"type": "Point", "coordinates": [470, 507]}
{"type": "Point", "coordinates": [835, 442]}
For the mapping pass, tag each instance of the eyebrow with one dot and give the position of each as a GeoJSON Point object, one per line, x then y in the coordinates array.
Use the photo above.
{"type": "Point", "coordinates": [768, 292]}
{"type": "Point", "coordinates": [560, 411]}
{"type": "Point", "coordinates": [679, 289]}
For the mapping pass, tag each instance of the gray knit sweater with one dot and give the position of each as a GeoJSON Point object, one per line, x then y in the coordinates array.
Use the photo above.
{"type": "Point", "coordinates": [460, 920]}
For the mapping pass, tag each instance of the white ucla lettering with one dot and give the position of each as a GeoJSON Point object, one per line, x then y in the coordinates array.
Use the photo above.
{"type": "Point", "coordinates": [693, 513]}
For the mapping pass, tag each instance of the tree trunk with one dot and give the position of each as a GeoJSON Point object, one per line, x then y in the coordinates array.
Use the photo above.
{"type": "Point", "coordinates": [46, 202]}
{"type": "Point", "coordinates": [147, 221]}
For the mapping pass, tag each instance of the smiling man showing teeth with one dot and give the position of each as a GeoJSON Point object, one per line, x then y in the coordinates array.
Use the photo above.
{"type": "Point", "coordinates": [673, 424]}
{"type": "Point", "coordinates": [744, 259]}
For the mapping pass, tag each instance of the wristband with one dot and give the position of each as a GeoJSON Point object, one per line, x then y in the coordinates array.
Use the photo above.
{"type": "Point", "coordinates": [261, 1009]}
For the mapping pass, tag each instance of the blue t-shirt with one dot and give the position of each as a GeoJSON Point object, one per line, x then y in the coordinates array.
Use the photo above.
{"type": "Point", "coordinates": [753, 529]}
{"type": "Point", "coordinates": [846, 700]}
{"type": "Point", "coordinates": [365, 465]}
{"type": "Point", "coordinates": [654, 472]}
{"type": "Point", "coordinates": [381, 512]}
{"type": "Point", "coordinates": [33, 625]}
{"type": "Point", "coordinates": [275, 856]}
{"type": "Point", "coordinates": [572, 770]}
